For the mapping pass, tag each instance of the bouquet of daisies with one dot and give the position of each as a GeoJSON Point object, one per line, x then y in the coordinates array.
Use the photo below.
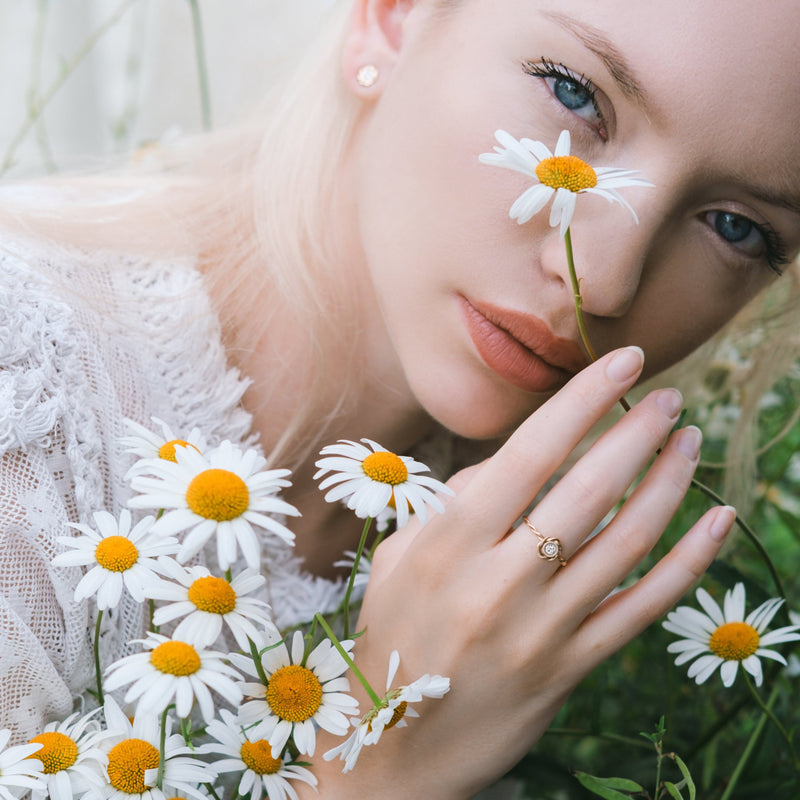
{"type": "Point", "coordinates": [217, 700]}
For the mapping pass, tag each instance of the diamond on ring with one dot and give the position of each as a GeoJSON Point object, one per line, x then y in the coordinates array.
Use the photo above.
{"type": "Point", "coordinates": [549, 547]}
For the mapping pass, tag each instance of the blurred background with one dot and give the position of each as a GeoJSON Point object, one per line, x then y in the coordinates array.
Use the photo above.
{"type": "Point", "coordinates": [87, 78]}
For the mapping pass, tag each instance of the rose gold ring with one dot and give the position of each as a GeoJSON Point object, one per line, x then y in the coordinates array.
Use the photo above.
{"type": "Point", "coordinates": [549, 548]}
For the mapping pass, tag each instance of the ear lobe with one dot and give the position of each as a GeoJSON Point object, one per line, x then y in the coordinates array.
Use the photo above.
{"type": "Point", "coordinates": [374, 40]}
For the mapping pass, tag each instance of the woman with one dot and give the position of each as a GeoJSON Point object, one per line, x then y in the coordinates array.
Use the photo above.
{"type": "Point", "coordinates": [369, 282]}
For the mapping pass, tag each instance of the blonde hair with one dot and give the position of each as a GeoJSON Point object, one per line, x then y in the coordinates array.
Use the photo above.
{"type": "Point", "coordinates": [249, 202]}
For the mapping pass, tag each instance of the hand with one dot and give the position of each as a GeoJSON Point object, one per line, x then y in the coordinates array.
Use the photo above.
{"type": "Point", "coordinates": [469, 597]}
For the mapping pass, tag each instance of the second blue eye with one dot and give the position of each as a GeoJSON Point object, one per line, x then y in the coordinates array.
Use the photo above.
{"type": "Point", "coordinates": [732, 227]}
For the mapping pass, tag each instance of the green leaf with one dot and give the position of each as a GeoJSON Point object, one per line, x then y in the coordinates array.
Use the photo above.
{"type": "Point", "coordinates": [687, 776]}
{"type": "Point", "coordinates": [672, 790]}
{"type": "Point", "coordinates": [608, 787]}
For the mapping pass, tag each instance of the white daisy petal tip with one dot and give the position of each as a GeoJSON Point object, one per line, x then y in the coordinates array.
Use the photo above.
{"type": "Point", "coordinates": [565, 176]}
{"type": "Point", "coordinates": [724, 637]}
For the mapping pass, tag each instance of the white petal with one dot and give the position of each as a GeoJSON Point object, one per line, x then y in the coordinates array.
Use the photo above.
{"type": "Point", "coordinates": [563, 144]}
{"type": "Point", "coordinates": [734, 604]}
{"type": "Point", "coordinates": [728, 672]}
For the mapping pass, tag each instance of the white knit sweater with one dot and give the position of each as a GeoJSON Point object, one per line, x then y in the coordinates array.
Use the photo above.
{"type": "Point", "coordinates": [85, 342]}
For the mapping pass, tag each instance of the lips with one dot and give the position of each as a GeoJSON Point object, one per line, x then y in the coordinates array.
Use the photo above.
{"type": "Point", "coordinates": [521, 348]}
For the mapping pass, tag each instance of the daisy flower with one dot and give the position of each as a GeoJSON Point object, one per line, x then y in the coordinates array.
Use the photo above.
{"type": "Point", "coordinates": [171, 670]}
{"type": "Point", "coordinates": [205, 602]}
{"type": "Point", "coordinates": [134, 760]}
{"type": "Point", "coordinates": [20, 767]}
{"type": "Point", "coordinates": [369, 477]}
{"type": "Point", "coordinates": [151, 446]}
{"type": "Point", "coordinates": [224, 492]}
{"type": "Point", "coordinates": [724, 637]}
{"type": "Point", "coordinates": [260, 772]}
{"type": "Point", "coordinates": [72, 762]}
{"type": "Point", "coordinates": [298, 697]}
{"type": "Point", "coordinates": [121, 557]}
{"type": "Point", "coordinates": [391, 711]}
{"type": "Point", "coordinates": [560, 176]}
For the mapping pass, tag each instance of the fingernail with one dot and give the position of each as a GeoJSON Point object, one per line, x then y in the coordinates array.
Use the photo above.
{"type": "Point", "coordinates": [723, 522]}
{"type": "Point", "coordinates": [670, 401]}
{"type": "Point", "coordinates": [625, 364]}
{"type": "Point", "coordinates": [689, 441]}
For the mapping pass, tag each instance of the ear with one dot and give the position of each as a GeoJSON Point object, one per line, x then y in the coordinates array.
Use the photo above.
{"type": "Point", "coordinates": [374, 39]}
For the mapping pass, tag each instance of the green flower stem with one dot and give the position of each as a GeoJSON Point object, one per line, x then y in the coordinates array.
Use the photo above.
{"type": "Point", "coordinates": [152, 606]}
{"type": "Point", "coordinates": [748, 531]}
{"type": "Point", "coordinates": [256, 656]}
{"type": "Point", "coordinates": [766, 709]}
{"type": "Point", "coordinates": [211, 791]}
{"type": "Point", "coordinates": [162, 742]}
{"type": "Point", "coordinates": [754, 737]}
{"type": "Point", "coordinates": [97, 670]}
{"type": "Point", "coordinates": [576, 296]}
{"type": "Point", "coordinates": [578, 299]}
{"type": "Point", "coordinates": [353, 571]}
{"type": "Point", "coordinates": [202, 70]}
{"type": "Point", "coordinates": [349, 661]}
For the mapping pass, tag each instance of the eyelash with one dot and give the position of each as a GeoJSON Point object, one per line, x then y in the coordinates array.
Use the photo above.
{"type": "Point", "coordinates": [775, 249]}
{"type": "Point", "coordinates": [775, 254]}
{"type": "Point", "coordinates": [546, 68]}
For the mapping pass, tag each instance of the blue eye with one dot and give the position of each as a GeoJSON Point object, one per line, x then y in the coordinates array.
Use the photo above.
{"type": "Point", "coordinates": [738, 231]}
{"type": "Point", "coordinates": [575, 92]}
{"type": "Point", "coordinates": [751, 238]}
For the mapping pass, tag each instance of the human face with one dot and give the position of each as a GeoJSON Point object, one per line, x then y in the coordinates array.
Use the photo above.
{"type": "Point", "coordinates": [702, 101]}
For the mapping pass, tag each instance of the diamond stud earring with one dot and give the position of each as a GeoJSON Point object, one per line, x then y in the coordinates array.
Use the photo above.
{"type": "Point", "coordinates": [367, 75]}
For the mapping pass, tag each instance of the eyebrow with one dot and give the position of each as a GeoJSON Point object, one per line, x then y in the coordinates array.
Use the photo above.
{"type": "Point", "coordinates": [789, 200]}
{"type": "Point", "coordinates": [596, 42]}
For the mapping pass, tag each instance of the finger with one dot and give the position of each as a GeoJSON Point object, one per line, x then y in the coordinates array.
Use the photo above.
{"type": "Point", "coordinates": [577, 504]}
{"type": "Point", "coordinates": [607, 559]}
{"type": "Point", "coordinates": [627, 613]}
{"type": "Point", "coordinates": [500, 492]}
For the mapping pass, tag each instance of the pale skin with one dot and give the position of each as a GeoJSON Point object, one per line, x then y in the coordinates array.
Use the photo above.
{"type": "Point", "coordinates": [466, 595]}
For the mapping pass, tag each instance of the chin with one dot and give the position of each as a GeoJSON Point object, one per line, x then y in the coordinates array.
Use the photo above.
{"type": "Point", "coordinates": [478, 416]}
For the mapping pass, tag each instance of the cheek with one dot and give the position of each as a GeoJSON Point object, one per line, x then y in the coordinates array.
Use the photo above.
{"type": "Point", "coordinates": [684, 298]}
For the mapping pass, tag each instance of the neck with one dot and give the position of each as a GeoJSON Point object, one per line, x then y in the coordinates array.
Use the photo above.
{"type": "Point", "coordinates": [375, 408]}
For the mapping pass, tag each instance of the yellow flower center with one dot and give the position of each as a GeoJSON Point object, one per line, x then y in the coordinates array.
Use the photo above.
{"type": "Point", "coordinates": [398, 714]}
{"type": "Point", "coordinates": [58, 751]}
{"type": "Point", "coordinates": [734, 641]}
{"type": "Point", "coordinates": [214, 595]}
{"type": "Point", "coordinates": [294, 693]}
{"type": "Point", "coordinates": [167, 450]}
{"type": "Point", "coordinates": [116, 553]}
{"type": "Point", "coordinates": [175, 658]}
{"type": "Point", "coordinates": [385, 467]}
{"type": "Point", "coordinates": [218, 494]}
{"type": "Point", "coordinates": [127, 763]}
{"type": "Point", "coordinates": [566, 172]}
{"type": "Point", "coordinates": [257, 756]}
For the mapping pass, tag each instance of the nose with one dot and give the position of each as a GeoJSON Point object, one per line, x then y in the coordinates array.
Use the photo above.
{"type": "Point", "coordinates": [609, 252]}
